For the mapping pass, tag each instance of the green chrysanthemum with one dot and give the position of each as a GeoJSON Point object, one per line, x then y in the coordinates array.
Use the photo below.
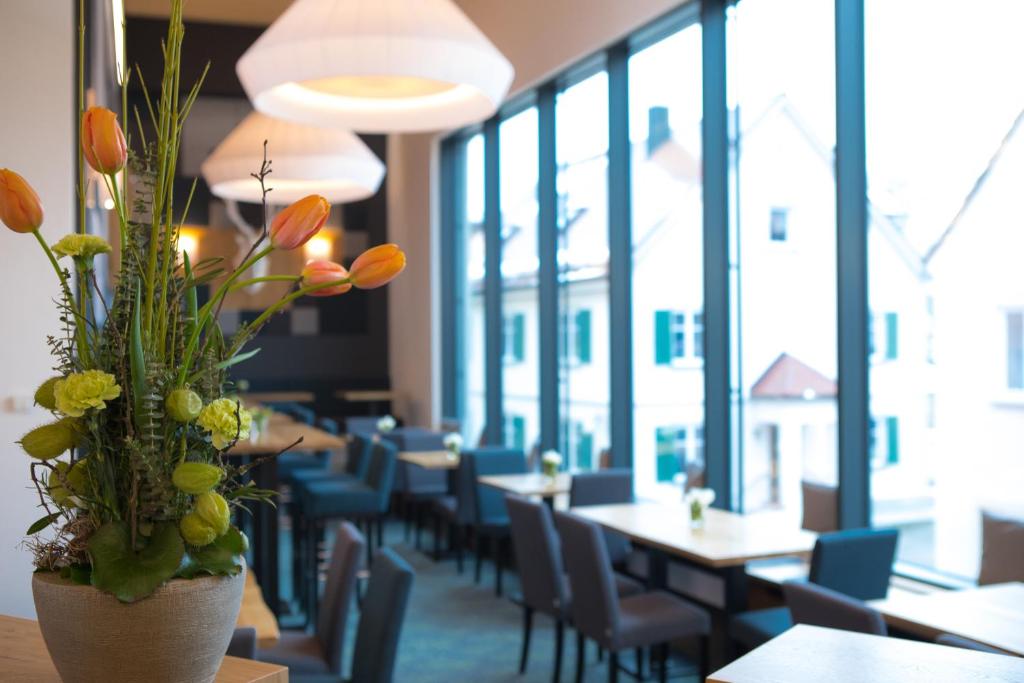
{"type": "Point", "coordinates": [80, 246]}
{"type": "Point", "coordinates": [226, 420]}
{"type": "Point", "coordinates": [81, 391]}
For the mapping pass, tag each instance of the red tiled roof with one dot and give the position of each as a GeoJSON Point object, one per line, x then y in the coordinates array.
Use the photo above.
{"type": "Point", "coordinates": [788, 377]}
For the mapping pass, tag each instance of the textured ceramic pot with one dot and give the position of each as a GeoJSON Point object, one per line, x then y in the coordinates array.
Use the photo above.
{"type": "Point", "coordinates": [179, 634]}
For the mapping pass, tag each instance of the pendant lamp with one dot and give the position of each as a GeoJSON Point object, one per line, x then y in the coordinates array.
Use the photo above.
{"type": "Point", "coordinates": [304, 160]}
{"type": "Point", "coordinates": [375, 66]}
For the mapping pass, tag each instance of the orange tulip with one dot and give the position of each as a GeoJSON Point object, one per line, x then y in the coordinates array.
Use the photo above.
{"type": "Point", "coordinates": [20, 209]}
{"type": "Point", "coordinates": [297, 223]}
{"type": "Point", "coordinates": [378, 266]}
{"type": "Point", "coordinates": [319, 272]}
{"type": "Point", "coordinates": [103, 143]}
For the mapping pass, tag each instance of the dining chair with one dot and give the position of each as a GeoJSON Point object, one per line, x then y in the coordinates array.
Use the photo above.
{"type": "Point", "coordinates": [819, 606]}
{"type": "Point", "coordinates": [243, 643]}
{"type": "Point", "coordinates": [380, 622]}
{"type": "Point", "coordinates": [542, 578]}
{"type": "Point", "coordinates": [456, 512]}
{"type": "Point", "coordinates": [605, 487]}
{"type": "Point", "coordinates": [361, 424]}
{"type": "Point", "coordinates": [321, 653]}
{"type": "Point", "coordinates": [952, 640]}
{"type": "Point", "coordinates": [821, 507]}
{"type": "Point", "coordinates": [650, 619]}
{"type": "Point", "coordinates": [417, 487]}
{"type": "Point", "coordinates": [1002, 548]}
{"type": "Point", "coordinates": [490, 518]}
{"type": "Point", "coordinates": [856, 562]}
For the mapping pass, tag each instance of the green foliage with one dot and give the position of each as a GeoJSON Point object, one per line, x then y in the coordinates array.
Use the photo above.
{"type": "Point", "coordinates": [130, 574]}
{"type": "Point", "coordinates": [223, 557]}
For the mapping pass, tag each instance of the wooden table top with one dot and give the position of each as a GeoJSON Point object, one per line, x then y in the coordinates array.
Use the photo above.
{"type": "Point", "coordinates": [993, 615]}
{"type": "Point", "coordinates": [23, 657]}
{"type": "Point", "coordinates": [279, 397]}
{"type": "Point", "coordinates": [812, 654]}
{"type": "Point", "coordinates": [431, 460]}
{"type": "Point", "coordinates": [281, 432]}
{"type": "Point", "coordinates": [256, 613]}
{"type": "Point", "coordinates": [530, 484]}
{"type": "Point", "coordinates": [727, 539]}
{"type": "Point", "coordinates": [367, 395]}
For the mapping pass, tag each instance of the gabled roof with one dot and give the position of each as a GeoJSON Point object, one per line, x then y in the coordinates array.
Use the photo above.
{"type": "Point", "coordinates": [788, 377]}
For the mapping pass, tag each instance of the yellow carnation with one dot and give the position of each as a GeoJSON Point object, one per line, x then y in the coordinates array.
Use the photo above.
{"type": "Point", "coordinates": [226, 420]}
{"type": "Point", "coordinates": [80, 391]}
{"type": "Point", "coordinates": [80, 246]}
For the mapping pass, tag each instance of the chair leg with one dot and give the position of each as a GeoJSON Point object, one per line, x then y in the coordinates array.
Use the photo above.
{"type": "Point", "coordinates": [581, 654]}
{"type": "Point", "coordinates": [312, 587]}
{"type": "Point", "coordinates": [437, 537]}
{"type": "Point", "coordinates": [458, 533]}
{"type": "Point", "coordinates": [369, 543]}
{"type": "Point", "coordinates": [613, 667]}
{"type": "Point", "coordinates": [527, 630]}
{"type": "Point", "coordinates": [663, 659]}
{"type": "Point", "coordinates": [479, 557]}
{"type": "Point", "coordinates": [498, 565]}
{"type": "Point", "coordinates": [640, 663]}
{"type": "Point", "coordinates": [559, 640]}
{"type": "Point", "coordinates": [705, 657]}
{"type": "Point", "coordinates": [380, 532]}
{"type": "Point", "coordinates": [600, 653]}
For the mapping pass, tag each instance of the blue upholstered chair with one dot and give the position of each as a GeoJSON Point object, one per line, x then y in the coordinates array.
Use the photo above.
{"type": "Point", "coordinates": [605, 487]}
{"type": "Point", "coordinates": [243, 643]}
{"type": "Point", "coordinates": [380, 623]}
{"type": "Point", "coordinates": [490, 518]}
{"type": "Point", "coordinates": [457, 511]}
{"type": "Point", "coordinates": [856, 563]}
{"type": "Point", "coordinates": [816, 605]}
{"type": "Point", "coordinates": [416, 487]}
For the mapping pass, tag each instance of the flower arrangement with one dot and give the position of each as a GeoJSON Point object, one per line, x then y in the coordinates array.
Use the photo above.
{"type": "Point", "coordinates": [698, 500]}
{"type": "Point", "coordinates": [386, 424]}
{"type": "Point", "coordinates": [550, 461]}
{"type": "Point", "coordinates": [130, 471]}
{"type": "Point", "coordinates": [453, 443]}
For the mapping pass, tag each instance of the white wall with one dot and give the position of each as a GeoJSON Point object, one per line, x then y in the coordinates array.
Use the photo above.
{"type": "Point", "coordinates": [540, 38]}
{"type": "Point", "coordinates": [36, 140]}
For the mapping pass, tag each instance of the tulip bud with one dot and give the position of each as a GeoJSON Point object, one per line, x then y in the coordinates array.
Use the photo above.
{"type": "Point", "coordinates": [319, 272]}
{"type": "Point", "coordinates": [20, 208]}
{"type": "Point", "coordinates": [183, 405]}
{"type": "Point", "coordinates": [378, 266]}
{"type": "Point", "coordinates": [103, 143]}
{"type": "Point", "coordinates": [294, 225]}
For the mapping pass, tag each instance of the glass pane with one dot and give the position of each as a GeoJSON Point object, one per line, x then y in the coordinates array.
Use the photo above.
{"type": "Point", "coordinates": [945, 162]}
{"type": "Point", "coordinates": [581, 121]}
{"type": "Point", "coordinates": [476, 413]}
{"type": "Point", "coordinates": [782, 90]}
{"type": "Point", "coordinates": [668, 289]}
{"type": "Point", "coordinates": [519, 265]}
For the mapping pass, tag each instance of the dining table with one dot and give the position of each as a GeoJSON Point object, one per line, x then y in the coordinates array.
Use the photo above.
{"type": "Point", "coordinates": [281, 433]}
{"type": "Point", "coordinates": [431, 460]}
{"type": "Point", "coordinates": [256, 614]}
{"type": "Point", "coordinates": [992, 615]}
{"type": "Point", "coordinates": [721, 546]}
{"type": "Point", "coordinates": [811, 654]}
{"type": "Point", "coordinates": [23, 657]}
{"type": "Point", "coordinates": [531, 484]}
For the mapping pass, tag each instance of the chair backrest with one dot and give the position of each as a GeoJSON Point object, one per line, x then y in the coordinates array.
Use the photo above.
{"type": "Point", "coordinates": [412, 478]}
{"type": "Point", "coordinates": [595, 603]}
{"type": "Point", "coordinates": [1002, 549]}
{"type": "Point", "coordinates": [856, 562]}
{"type": "Point", "coordinates": [820, 606]}
{"type": "Point", "coordinates": [341, 585]}
{"type": "Point", "coordinates": [380, 623]}
{"type": "Point", "coordinates": [358, 460]}
{"type": "Point", "coordinates": [821, 507]}
{"type": "Point", "coordinates": [331, 427]}
{"type": "Point", "coordinates": [952, 640]}
{"type": "Point", "coordinates": [538, 555]}
{"type": "Point", "coordinates": [361, 425]}
{"type": "Point", "coordinates": [243, 643]}
{"type": "Point", "coordinates": [295, 411]}
{"type": "Point", "coordinates": [380, 476]}
{"type": "Point", "coordinates": [490, 502]}
{"type": "Point", "coordinates": [602, 487]}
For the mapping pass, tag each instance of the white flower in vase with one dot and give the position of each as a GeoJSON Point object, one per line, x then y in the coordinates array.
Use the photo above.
{"type": "Point", "coordinates": [386, 424]}
{"type": "Point", "coordinates": [550, 461]}
{"type": "Point", "coordinates": [453, 443]}
{"type": "Point", "coordinates": [698, 500]}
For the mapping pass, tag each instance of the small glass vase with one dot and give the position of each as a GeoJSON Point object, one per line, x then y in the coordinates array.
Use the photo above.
{"type": "Point", "coordinates": [550, 471]}
{"type": "Point", "coordinates": [697, 516]}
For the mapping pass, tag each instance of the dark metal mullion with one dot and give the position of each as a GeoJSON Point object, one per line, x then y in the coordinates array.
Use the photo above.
{"type": "Point", "coordinates": [454, 280]}
{"type": "Point", "coordinates": [852, 266]}
{"type": "Point", "coordinates": [547, 246]}
{"type": "Point", "coordinates": [620, 262]}
{"type": "Point", "coordinates": [717, 342]}
{"type": "Point", "coordinates": [493, 320]}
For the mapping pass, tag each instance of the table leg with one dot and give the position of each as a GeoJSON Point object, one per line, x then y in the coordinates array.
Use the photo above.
{"type": "Point", "coordinates": [266, 536]}
{"type": "Point", "coordinates": [735, 587]}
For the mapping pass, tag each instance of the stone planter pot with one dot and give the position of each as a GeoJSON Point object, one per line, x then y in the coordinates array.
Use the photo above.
{"type": "Point", "coordinates": [177, 635]}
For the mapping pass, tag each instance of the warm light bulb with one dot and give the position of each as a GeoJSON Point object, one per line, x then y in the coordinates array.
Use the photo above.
{"type": "Point", "coordinates": [108, 204]}
{"type": "Point", "coordinates": [188, 242]}
{"type": "Point", "coordinates": [319, 247]}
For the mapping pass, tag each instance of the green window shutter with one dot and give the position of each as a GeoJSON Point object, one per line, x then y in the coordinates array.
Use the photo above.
{"type": "Point", "coordinates": [583, 335]}
{"type": "Point", "coordinates": [892, 336]}
{"type": "Point", "coordinates": [667, 464]}
{"type": "Point", "coordinates": [584, 450]}
{"type": "Point", "coordinates": [519, 337]}
{"type": "Point", "coordinates": [892, 428]}
{"type": "Point", "coordinates": [662, 337]}
{"type": "Point", "coordinates": [519, 433]}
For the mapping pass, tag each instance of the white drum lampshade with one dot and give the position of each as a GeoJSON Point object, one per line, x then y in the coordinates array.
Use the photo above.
{"type": "Point", "coordinates": [304, 160]}
{"type": "Point", "coordinates": [375, 66]}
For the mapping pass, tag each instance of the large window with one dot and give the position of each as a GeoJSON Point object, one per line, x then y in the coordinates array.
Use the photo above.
{"type": "Point", "coordinates": [581, 122]}
{"type": "Point", "coordinates": [519, 284]}
{"type": "Point", "coordinates": [668, 288]}
{"type": "Point", "coordinates": [783, 105]}
{"type": "Point", "coordinates": [475, 369]}
{"type": "Point", "coordinates": [945, 156]}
